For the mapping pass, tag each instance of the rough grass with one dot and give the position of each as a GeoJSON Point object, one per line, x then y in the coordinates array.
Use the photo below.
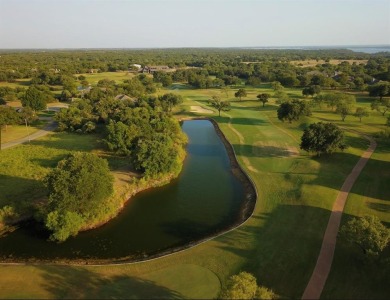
{"type": "Point", "coordinates": [16, 132]}
{"type": "Point", "coordinates": [279, 244]}
{"type": "Point", "coordinates": [118, 77]}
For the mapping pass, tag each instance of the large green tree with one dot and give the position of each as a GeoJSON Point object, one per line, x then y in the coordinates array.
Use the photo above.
{"type": "Point", "coordinates": [368, 233]}
{"type": "Point", "coordinates": [322, 138]}
{"type": "Point", "coordinates": [244, 286]}
{"type": "Point", "coordinates": [35, 99]}
{"type": "Point", "coordinates": [345, 105]}
{"type": "Point", "coordinates": [380, 90]}
{"type": "Point", "coordinates": [78, 189]}
{"type": "Point", "coordinates": [168, 101]}
{"type": "Point", "coordinates": [381, 106]}
{"type": "Point", "coordinates": [293, 110]}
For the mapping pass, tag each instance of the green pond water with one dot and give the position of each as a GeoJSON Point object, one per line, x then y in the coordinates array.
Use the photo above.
{"type": "Point", "coordinates": [205, 199]}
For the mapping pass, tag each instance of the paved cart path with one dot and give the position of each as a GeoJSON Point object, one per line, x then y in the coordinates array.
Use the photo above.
{"type": "Point", "coordinates": [324, 262]}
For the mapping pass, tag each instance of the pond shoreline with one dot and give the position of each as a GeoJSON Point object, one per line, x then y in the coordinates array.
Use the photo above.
{"type": "Point", "coordinates": [246, 210]}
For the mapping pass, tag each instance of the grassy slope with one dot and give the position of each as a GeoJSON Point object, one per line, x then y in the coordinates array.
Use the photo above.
{"type": "Point", "coordinates": [279, 244]}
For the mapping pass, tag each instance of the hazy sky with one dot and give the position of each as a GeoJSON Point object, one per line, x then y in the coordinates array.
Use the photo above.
{"type": "Point", "coordinates": [190, 23]}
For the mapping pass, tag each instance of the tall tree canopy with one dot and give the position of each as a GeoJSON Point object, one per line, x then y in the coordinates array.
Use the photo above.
{"type": "Point", "coordinates": [322, 138]}
{"type": "Point", "coordinates": [78, 189]}
{"type": "Point", "coordinates": [293, 110]}
{"type": "Point", "coordinates": [368, 233]}
{"type": "Point", "coordinates": [168, 101]}
{"type": "Point", "coordinates": [380, 90]}
{"type": "Point", "coordinates": [35, 99]}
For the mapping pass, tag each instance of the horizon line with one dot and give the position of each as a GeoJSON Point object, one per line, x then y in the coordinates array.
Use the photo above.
{"type": "Point", "coordinates": [206, 47]}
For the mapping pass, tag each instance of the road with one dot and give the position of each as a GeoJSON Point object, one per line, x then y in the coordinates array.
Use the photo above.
{"type": "Point", "coordinates": [49, 127]}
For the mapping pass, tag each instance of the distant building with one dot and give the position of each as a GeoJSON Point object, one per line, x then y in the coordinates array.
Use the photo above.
{"type": "Point", "coordinates": [91, 71]}
{"type": "Point", "coordinates": [152, 69]}
{"type": "Point", "coordinates": [123, 97]}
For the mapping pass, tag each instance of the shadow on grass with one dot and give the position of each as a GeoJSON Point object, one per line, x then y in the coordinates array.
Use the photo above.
{"type": "Point", "coordinates": [65, 282]}
{"type": "Point", "coordinates": [382, 207]}
{"type": "Point", "coordinates": [281, 247]}
{"type": "Point", "coordinates": [19, 192]}
{"type": "Point", "coordinates": [240, 121]}
{"type": "Point", "coordinates": [70, 142]}
{"type": "Point", "coordinates": [355, 275]}
{"type": "Point", "coordinates": [263, 151]}
{"type": "Point", "coordinates": [256, 108]}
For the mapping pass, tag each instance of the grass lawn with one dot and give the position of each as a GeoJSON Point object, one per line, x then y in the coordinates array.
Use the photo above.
{"type": "Point", "coordinates": [16, 132]}
{"type": "Point", "coordinates": [118, 77]}
{"type": "Point", "coordinates": [279, 244]}
{"type": "Point", "coordinates": [24, 83]}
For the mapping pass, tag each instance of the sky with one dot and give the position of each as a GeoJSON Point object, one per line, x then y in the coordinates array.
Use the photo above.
{"type": "Point", "coordinates": [189, 23]}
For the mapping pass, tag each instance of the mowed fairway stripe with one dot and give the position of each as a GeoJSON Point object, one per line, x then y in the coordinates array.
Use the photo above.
{"type": "Point", "coordinates": [324, 262]}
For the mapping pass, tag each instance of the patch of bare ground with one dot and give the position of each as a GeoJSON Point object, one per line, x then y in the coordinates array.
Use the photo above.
{"type": "Point", "coordinates": [201, 110]}
{"type": "Point", "coordinates": [262, 148]}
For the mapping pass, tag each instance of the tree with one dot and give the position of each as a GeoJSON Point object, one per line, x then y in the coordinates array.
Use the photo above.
{"type": "Point", "coordinates": [78, 188]}
{"type": "Point", "coordinates": [345, 105]}
{"type": "Point", "coordinates": [381, 106]}
{"type": "Point", "coordinates": [319, 100]}
{"type": "Point", "coordinates": [331, 100]}
{"type": "Point", "coordinates": [34, 98]}
{"type": "Point", "coordinates": [281, 96]}
{"type": "Point", "coordinates": [120, 137]}
{"type": "Point", "coordinates": [241, 286]}
{"type": "Point", "coordinates": [220, 105]}
{"type": "Point", "coordinates": [277, 86]}
{"type": "Point", "coordinates": [156, 155]}
{"type": "Point", "coordinates": [368, 233]}
{"type": "Point", "coordinates": [322, 138]}
{"type": "Point", "coordinates": [225, 89]}
{"type": "Point", "coordinates": [380, 90]}
{"type": "Point", "coordinates": [311, 90]}
{"type": "Point", "coordinates": [360, 113]}
{"type": "Point", "coordinates": [244, 286]}
{"type": "Point", "coordinates": [8, 116]}
{"type": "Point", "coordinates": [263, 98]}
{"type": "Point", "coordinates": [240, 93]}
{"type": "Point", "coordinates": [293, 110]}
{"type": "Point", "coordinates": [168, 101]}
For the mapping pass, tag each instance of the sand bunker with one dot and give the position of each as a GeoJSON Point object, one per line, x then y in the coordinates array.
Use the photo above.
{"type": "Point", "coordinates": [201, 110]}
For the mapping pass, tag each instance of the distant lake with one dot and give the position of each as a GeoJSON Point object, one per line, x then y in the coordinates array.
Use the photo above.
{"type": "Point", "coordinates": [364, 49]}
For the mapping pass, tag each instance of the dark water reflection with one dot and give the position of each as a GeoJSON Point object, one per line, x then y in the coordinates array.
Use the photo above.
{"type": "Point", "coordinates": [204, 199]}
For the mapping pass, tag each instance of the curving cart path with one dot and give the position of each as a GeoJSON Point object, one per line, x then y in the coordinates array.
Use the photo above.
{"type": "Point", "coordinates": [324, 262]}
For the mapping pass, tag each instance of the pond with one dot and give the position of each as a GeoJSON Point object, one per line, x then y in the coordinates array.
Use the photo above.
{"type": "Point", "coordinates": [204, 200]}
